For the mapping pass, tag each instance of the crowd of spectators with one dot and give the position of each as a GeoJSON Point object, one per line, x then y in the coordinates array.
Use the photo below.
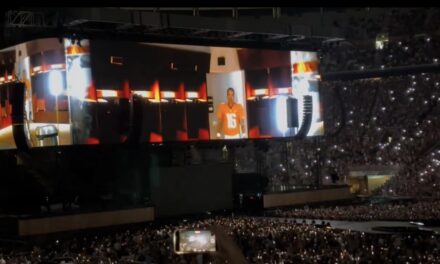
{"type": "Point", "coordinates": [392, 121]}
{"type": "Point", "coordinates": [405, 37]}
{"type": "Point", "coordinates": [389, 121]}
{"type": "Point", "coordinates": [260, 240]}
{"type": "Point", "coordinates": [395, 52]}
{"type": "Point", "coordinates": [386, 121]}
{"type": "Point", "coordinates": [418, 211]}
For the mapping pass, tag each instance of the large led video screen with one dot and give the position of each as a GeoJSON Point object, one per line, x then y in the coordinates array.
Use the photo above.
{"type": "Point", "coordinates": [109, 92]}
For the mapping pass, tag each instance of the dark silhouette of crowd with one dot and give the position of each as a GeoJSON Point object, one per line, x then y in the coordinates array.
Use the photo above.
{"type": "Point", "coordinates": [260, 241]}
{"type": "Point", "coordinates": [398, 37]}
{"type": "Point", "coordinates": [418, 211]}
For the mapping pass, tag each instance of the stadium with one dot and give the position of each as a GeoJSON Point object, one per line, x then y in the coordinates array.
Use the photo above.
{"type": "Point", "coordinates": [220, 135]}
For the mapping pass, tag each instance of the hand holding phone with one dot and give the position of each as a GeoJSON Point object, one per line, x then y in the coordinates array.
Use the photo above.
{"type": "Point", "coordinates": [194, 241]}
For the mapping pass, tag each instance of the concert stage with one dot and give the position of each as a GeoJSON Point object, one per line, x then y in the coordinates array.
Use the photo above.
{"type": "Point", "coordinates": [23, 226]}
{"type": "Point", "coordinates": [307, 196]}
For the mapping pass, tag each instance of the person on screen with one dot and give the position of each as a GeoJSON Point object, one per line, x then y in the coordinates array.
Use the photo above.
{"type": "Point", "coordinates": [230, 116]}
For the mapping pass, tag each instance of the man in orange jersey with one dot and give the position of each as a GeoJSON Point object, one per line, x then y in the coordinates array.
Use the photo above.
{"type": "Point", "coordinates": [230, 116]}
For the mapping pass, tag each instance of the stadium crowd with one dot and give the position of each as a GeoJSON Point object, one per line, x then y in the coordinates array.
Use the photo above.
{"type": "Point", "coordinates": [418, 211]}
{"type": "Point", "coordinates": [259, 240]}
{"type": "Point", "coordinates": [394, 47]}
{"type": "Point", "coordinates": [389, 121]}
{"type": "Point", "coordinates": [392, 52]}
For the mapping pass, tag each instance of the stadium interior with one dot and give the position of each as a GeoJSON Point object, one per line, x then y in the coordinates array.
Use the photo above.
{"type": "Point", "coordinates": [220, 135]}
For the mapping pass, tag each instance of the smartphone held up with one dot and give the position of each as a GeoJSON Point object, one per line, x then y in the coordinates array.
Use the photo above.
{"type": "Point", "coordinates": [194, 241]}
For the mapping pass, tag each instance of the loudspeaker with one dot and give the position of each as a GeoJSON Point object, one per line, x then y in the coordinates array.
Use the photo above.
{"type": "Point", "coordinates": [292, 112]}
{"type": "Point", "coordinates": [16, 97]}
{"type": "Point", "coordinates": [307, 117]}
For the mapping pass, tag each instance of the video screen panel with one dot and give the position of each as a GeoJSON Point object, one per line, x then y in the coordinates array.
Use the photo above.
{"type": "Point", "coordinates": [215, 93]}
{"type": "Point", "coordinates": [86, 90]}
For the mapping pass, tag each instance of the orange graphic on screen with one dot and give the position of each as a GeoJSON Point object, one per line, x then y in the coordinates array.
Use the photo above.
{"type": "Point", "coordinates": [230, 116]}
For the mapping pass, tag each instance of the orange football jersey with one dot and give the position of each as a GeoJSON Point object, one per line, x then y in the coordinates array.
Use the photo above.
{"type": "Point", "coordinates": [230, 117]}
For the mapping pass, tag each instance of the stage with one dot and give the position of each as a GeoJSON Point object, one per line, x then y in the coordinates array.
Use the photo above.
{"type": "Point", "coordinates": [24, 226]}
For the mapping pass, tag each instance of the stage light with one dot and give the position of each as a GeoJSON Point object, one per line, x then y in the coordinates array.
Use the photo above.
{"type": "Point", "coordinates": [78, 80]}
{"type": "Point", "coordinates": [37, 69]}
{"type": "Point", "coordinates": [283, 90]}
{"type": "Point", "coordinates": [168, 94]}
{"type": "Point", "coordinates": [144, 94]}
{"type": "Point", "coordinates": [192, 95]}
{"type": "Point", "coordinates": [108, 93]}
{"type": "Point", "coordinates": [261, 91]}
{"type": "Point", "coordinates": [57, 66]}
{"type": "Point", "coordinates": [56, 82]}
